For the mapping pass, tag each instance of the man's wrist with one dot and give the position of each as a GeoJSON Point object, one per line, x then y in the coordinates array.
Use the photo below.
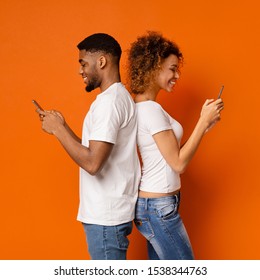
{"type": "Point", "coordinates": [59, 130]}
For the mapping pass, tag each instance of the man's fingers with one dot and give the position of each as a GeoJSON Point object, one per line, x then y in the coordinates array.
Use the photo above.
{"type": "Point", "coordinates": [41, 112]}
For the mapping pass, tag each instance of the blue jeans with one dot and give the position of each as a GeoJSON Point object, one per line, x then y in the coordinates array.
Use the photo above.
{"type": "Point", "coordinates": [108, 242]}
{"type": "Point", "coordinates": [159, 222]}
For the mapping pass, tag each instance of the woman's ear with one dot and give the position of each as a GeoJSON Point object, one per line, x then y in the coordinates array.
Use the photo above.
{"type": "Point", "coordinates": [102, 62]}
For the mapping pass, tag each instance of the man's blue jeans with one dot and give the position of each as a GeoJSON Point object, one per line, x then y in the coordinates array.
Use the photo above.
{"type": "Point", "coordinates": [108, 242]}
{"type": "Point", "coordinates": [160, 223]}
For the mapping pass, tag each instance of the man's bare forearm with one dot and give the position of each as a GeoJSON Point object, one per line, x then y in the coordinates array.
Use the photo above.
{"type": "Point", "coordinates": [71, 132]}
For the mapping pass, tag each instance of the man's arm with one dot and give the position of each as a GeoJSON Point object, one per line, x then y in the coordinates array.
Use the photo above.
{"type": "Point", "coordinates": [67, 126]}
{"type": "Point", "coordinates": [91, 159]}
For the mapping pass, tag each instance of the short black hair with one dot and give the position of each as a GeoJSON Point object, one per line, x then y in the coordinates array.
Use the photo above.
{"type": "Point", "coordinates": [101, 42]}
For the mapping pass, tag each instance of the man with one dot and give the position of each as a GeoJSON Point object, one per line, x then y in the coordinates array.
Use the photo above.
{"type": "Point", "coordinates": [109, 165]}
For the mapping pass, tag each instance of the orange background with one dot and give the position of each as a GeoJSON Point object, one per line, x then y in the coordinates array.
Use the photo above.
{"type": "Point", "coordinates": [39, 59]}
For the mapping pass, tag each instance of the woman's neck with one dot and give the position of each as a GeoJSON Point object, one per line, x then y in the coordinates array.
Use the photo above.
{"type": "Point", "coordinates": [146, 96]}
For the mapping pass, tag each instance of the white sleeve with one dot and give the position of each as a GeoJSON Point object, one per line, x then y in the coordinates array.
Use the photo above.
{"type": "Point", "coordinates": [157, 119]}
{"type": "Point", "coordinates": [105, 123]}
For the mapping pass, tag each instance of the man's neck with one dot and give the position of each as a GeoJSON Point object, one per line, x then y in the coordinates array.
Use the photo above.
{"type": "Point", "coordinates": [109, 80]}
{"type": "Point", "coordinates": [105, 85]}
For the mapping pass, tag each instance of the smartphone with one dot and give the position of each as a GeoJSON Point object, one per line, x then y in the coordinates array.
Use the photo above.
{"type": "Point", "coordinates": [220, 92]}
{"type": "Point", "coordinates": [37, 105]}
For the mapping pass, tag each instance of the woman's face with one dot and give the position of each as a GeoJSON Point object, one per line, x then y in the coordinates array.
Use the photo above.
{"type": "Point", "coordinates": [168, 73]}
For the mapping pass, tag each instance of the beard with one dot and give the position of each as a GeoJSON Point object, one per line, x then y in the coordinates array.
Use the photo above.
{"type": "Point", "coordinates": [93, 83]}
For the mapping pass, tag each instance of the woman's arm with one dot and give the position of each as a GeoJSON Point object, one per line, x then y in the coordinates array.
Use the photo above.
{"type": "Point", "coordinates": [178, 158]}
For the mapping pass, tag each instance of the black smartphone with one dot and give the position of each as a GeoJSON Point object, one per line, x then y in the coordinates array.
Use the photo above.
{"type": "Point", "coordinates": [220, 92]}
{"type": "Point", "coordinates": [38, 106]}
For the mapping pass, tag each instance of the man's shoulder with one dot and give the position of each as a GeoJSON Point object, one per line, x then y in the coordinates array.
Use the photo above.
{"type": "Point", "coordinates": [116, 94]}
{"type": "Point", "coordinates": [117, 100]}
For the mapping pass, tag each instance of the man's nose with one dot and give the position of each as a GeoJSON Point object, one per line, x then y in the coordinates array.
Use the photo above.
{"type": "Point", "coordinates": [80, 70]}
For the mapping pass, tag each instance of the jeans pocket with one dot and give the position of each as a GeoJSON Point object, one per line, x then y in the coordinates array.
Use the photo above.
{"type": "Point", "coordinates": [167, 212]}
{"type": "Point", "coordinates": [123, 242]}
{"type": "Point", "coordinates": [145, 228]}
{"type": "Point", "coordinates": [122, 231]}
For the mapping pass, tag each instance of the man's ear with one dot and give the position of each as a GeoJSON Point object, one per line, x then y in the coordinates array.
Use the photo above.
{"type": "Point", "coordinates": [102, 61]}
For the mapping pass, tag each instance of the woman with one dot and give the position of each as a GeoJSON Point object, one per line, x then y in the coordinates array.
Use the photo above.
{"type": "Point", "coordinates": [154, 64]}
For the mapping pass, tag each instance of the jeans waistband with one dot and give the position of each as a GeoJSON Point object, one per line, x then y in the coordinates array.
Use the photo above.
{"type": "Point", "coordinates": [158, 201]}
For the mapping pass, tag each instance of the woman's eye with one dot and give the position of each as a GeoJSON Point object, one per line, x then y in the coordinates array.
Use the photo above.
{"type": "Point", "coordinates": [175, 70]}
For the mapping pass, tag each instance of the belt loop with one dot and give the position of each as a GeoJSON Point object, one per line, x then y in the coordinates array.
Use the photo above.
{"type": "Point", "coordinates": [176, 198]}
{"type": "Point", "coordinates": [146, 204]}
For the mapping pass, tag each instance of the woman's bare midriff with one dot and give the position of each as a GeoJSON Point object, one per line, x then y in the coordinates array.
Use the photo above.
{"type": "Point", "coordinates": [156, 195]}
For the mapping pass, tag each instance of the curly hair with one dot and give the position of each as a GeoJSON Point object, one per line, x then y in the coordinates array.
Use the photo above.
{"type": "Point", "coordinates": [145, 57]}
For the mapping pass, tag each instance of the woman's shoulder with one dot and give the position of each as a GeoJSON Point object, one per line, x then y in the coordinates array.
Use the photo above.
{"type": "Point", "coordinates": [150, 111]}
{"type": "Point", "coordinates": [152, 117]}
{"type": "Point", "coordinates": [149, 105]}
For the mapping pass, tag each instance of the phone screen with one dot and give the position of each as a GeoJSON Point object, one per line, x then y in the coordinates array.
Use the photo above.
{"type": "Point", "coordinates": [37, 105]}
{"type": "Point", "coordinates": [220, 92]}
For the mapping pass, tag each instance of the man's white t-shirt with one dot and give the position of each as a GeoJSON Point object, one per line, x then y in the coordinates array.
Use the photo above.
{"type": "Point", "coordinates": [157, 175]}
{"type": "Point", "coordinates": [109, 197]}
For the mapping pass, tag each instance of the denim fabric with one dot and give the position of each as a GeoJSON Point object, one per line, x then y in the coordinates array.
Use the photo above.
{"type": "Point", "coordinates": [159, 222]}
{"type": "Point", "coordinates": [108, 242]}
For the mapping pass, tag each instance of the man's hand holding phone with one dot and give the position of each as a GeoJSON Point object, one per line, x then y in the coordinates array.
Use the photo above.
{"type": "Point", "coordinates": [51, 120]}
{"type": "Point", "coordinates": [39, 109]}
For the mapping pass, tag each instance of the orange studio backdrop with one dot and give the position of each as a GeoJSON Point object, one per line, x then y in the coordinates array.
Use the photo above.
{"type": "Point", "coordinates": [39, 60]}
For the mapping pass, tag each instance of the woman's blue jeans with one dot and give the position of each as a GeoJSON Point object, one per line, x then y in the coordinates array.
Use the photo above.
{"type": "Point", "coordinates": [108, 242]}
{"type": "Point", "coordinates": [159, 222]}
